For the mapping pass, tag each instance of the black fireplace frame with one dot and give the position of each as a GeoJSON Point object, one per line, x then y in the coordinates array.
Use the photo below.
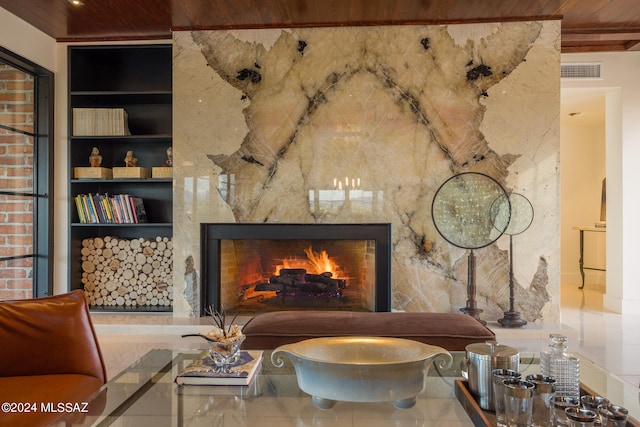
{"type": "Point", "coordinates": [211, 235]}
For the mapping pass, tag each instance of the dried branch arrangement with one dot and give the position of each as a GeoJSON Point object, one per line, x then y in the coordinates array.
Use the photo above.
{"type": "Point", "coordinates": [221, 332]}
{"type": "Point", "coordinates": [220, 319]}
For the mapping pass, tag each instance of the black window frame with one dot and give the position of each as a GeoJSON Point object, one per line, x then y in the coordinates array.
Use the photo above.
{"type": "Point", "coordinates": [43, 162]}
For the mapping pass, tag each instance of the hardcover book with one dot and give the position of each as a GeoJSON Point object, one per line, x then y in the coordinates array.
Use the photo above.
{"type": "Point", "coordinates": [139, 213]}
{"type": "Point", "coordinates": [202, 371]}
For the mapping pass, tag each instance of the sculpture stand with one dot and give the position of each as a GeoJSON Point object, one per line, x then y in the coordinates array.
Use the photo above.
{"type": "Point", "coordinates": [471, 196]}
{"type": "Point", "coordinates": [471, 308]}
{"type": "Point", "coordinates": [511, 318]}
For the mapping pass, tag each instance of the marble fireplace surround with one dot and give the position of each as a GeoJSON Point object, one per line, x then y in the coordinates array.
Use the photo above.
{"type": "Point", "coordinates": [362, 125]}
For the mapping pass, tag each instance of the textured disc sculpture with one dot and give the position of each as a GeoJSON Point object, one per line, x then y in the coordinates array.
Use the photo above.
{"type": "Point", "coordinates": [461, 212]}
{"type": "Point", "coordinates": [517, 212]}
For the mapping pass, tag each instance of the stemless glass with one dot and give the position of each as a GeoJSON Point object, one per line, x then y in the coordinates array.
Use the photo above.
{"type": "Point", "coordinates": [543, 394]}
{"type": "Point", "coordinates": [560, 403]}
{"type": "Point", "coordinates": [580, 417]}
{"type": "Point", "coordinates": [498, 377]}
{"type": "Point", "coordinates": [613, 415]}
{"type": "Point", "coordinates": [593, 402]}
{"type": "Point", "coordinates": [518, 402]}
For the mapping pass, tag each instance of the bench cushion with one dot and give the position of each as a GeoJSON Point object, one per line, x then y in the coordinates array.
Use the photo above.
{"type": "Point", "coordinates": [451, 331]}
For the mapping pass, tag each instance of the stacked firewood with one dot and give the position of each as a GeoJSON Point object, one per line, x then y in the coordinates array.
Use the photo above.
{"type": "Point", "coordinates": [297, 280]}
{"type": "Point", "coordinates": [128, 273]}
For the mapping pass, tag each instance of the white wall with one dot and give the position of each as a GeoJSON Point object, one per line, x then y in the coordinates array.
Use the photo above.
{"type": "Point", "coordinates": [619, 72]}
{"type": "Point", "coordinates": [27, 41]}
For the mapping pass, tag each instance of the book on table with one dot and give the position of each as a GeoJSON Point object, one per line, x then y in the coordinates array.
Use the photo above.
{"type": "Point", "coordinates": [202, 371]}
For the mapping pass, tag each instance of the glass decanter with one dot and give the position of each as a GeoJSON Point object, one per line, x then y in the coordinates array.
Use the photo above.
{"type": "Point", "coordinates": [562, 366]}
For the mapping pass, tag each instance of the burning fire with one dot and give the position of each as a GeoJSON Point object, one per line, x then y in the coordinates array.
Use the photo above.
{"type": "Point", "coordinates": [316, 263]}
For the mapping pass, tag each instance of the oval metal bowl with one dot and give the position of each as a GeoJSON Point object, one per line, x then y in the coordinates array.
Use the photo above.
{"type": "Point", "coordinates": [360, 369]}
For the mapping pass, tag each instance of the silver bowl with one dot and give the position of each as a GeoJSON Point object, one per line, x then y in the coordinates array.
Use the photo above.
{"type": "Point", "coordinates": [360, 369]}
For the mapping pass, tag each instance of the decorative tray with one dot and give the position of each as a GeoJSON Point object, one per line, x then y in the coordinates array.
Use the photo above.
{"type": "Point", "coordinates": [482, 418]}
{"type": "Point", "coordinates": [479, 417]}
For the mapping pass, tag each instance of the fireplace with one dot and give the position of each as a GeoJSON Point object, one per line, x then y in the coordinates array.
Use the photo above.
{"type": "Point", "coordinates": [252, 268]}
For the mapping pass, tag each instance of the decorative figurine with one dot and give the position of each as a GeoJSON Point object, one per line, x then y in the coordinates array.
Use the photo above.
{"type": "Point", "coordinates": [130, 161]}
{"type": "Point", "coordinates": [169, 161]}
{"type": "Point", "coordinates": [95, 159]}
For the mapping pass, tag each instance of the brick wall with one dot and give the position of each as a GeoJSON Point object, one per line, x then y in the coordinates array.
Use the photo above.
{"type": "Point", "coordinates": [16, 174]}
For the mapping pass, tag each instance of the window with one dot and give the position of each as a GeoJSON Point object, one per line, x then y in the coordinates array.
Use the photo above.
{"type": "Point", "coordinates": [26, 130]}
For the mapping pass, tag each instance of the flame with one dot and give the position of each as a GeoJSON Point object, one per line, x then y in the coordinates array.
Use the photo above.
{"type": "Point", "coordinates": [320, 261]}
{"type": "Point", "coordinates": [316, 263]}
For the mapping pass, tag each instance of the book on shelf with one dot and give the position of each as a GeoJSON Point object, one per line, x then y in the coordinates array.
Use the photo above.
{"type": "Point", "coordinates": [81, 210]}
{"type": "Point", "coordinates": [139, 212]}
{"type": "Point", "coordinates": [110, 209]}
{"type": "Point", "coordinates": [203, 372]}
{"type": "Point", "coordinates": [100, 122]}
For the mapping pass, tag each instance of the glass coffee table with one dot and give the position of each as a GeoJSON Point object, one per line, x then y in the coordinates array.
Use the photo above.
{"type": "Point", "coordinates": [145, 394]}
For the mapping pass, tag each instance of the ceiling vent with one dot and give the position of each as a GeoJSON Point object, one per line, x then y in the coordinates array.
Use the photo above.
{"type": "Point", "coordinates": [581, 71]}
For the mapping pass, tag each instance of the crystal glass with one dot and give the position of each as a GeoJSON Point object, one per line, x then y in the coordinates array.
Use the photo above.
{"type": "Point", "coordinates": [560, 403]}
{"type": "Point", "coordinates": [518, 402]}
{"type": "Point", "coordinates": [613, 415]}
{"type": "Point", "coordinates": [543, 395]}
{"type": "Point", "coordinates": [226, 353]}
{"type": "Point", "coordinates": [580, 417]}
{"type": "Point", "coordinates": [499, 375]}
{"type": "Point", "coordinates": [561, 365]}
{"type": "Point", "coordinates": [593, 402]}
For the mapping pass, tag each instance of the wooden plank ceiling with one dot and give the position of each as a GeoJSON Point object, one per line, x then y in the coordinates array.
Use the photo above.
{"type": "Point", "coordinates": [587, 25]}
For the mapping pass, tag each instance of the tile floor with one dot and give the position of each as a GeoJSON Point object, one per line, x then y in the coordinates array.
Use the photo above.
{"type": "Point", "coordinates": [609, 339]}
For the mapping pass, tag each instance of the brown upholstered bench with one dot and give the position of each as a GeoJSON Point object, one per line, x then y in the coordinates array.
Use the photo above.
{"type": "Point", "coordinates": [451, 331]}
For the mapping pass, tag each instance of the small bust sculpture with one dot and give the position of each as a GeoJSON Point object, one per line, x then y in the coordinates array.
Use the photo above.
{"type": "Point", "coordinates": [169, 161]}
{"type": "Point", "coordinates": [129, 160]}
{"type": "Point", "coordinates": [95, 159]}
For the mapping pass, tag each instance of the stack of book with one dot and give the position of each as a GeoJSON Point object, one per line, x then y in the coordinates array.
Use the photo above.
{"type": "Point", "coordinates": [106, 209]}
{"type": "Point", "coordinates": [100, 121]}
{"type": "Point", "coordinates": [203, 371]}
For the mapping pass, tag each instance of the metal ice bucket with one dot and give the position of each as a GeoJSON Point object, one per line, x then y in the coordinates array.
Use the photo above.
{"type": "Point", "coordinates": [481, 360]}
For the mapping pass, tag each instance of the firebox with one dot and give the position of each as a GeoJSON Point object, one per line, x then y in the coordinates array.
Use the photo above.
{"type": "Point", "coordinates": [252, 268]}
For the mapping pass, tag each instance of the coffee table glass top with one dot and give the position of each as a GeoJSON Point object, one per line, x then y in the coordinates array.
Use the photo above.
{"type": "Point", "coordinates": [145, 394]}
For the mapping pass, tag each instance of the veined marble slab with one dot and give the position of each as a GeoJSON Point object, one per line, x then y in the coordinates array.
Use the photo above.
{"type": "Point", "coordinates": [363, 124]}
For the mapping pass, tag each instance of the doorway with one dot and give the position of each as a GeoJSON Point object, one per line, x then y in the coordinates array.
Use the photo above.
{"type": "Point", "coordinates": [583, 160]}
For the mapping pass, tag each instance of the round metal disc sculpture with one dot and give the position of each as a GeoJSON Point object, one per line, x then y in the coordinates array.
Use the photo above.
{"type": "Point", "coordinates": [520, 213]}
{"type": "Point", "coordinates": [461, 212]}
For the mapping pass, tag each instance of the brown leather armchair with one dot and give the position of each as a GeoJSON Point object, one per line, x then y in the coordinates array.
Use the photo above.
{"type": "Point", "coordinates": [49, 355]}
